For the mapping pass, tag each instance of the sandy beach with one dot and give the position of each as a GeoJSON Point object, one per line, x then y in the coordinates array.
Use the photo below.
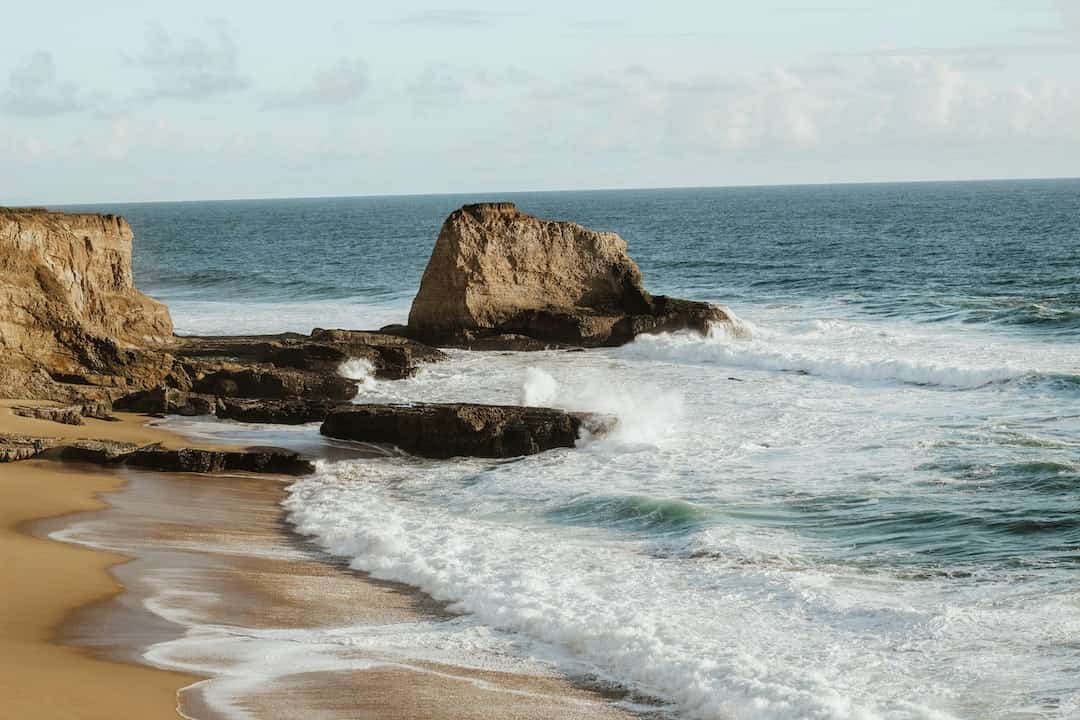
{"type": "Point", "coordinates": [77, 620]}
{"type": "Point", "coordinates": [45, 581]}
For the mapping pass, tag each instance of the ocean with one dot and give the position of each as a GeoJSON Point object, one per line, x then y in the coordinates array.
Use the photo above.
{"type": "Point", "coordinates": [866, 505]}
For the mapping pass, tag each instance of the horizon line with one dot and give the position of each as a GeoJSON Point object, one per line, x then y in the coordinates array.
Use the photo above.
{"type": "Point", "coordinates": [264, 198]}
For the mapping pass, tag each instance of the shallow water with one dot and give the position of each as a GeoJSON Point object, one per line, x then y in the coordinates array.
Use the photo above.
{"type": "Point", "coordinates": [865, 506]}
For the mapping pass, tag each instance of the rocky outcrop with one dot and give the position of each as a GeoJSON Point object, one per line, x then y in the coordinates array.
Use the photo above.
{"type": "Point", "coordinates": [277, 412]}
{"type": "Point", "coordinates": [284, 379]}
{"type": "Point", "coordinates": [66, 414]}
{"type": "Point", "coordinates": [193, 460]}
{"type": "Point", "coordinates": [496, 271]}
{"type": "Point", "coordinates": [22, 447]}
{"type": "Point", "coordinates": [70, 315]}
{"type": "Point", "coordinates": [391, 357]}
{"type": "Point", "coordinates": [443, 430]}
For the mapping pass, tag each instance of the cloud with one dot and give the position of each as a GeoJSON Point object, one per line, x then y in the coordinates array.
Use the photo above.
{"type": "Point", "coordinates": [444, 84]}
{"type": "Point", "coordinates": [444, 19]}
{"type": "Point", "coordinates": [882, 101]}
{"type": "Point", "coordinates": [34, 90]}
{"type": "Point", "coordinates": [437, 84]}
{"type": "Point", "coordinates": [341, 85]}
{"type": "Point", "coordinates": [190, 67]}
{"type": "Point", "coordinates": [1070, 16]}
{"type": "Point", "coordinates": [821, 10]}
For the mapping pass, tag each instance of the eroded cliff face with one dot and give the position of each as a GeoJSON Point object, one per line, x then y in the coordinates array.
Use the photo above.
{"type": "Point", "coordinates": [496, 270]}
{"type": "Point", "coordinates": [68, 304]}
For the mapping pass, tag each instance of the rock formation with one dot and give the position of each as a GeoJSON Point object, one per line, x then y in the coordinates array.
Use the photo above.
{"type": "Point", "coordinates": [193, 460]}
{"type": "Point", "coordinates": [496, 271]}
{"type": "Point", "coordinates": [69, 310]}
{"type": "Point", "coordinates": [285, 379]}
{"type": "Point", "coordinates": [443, 430]}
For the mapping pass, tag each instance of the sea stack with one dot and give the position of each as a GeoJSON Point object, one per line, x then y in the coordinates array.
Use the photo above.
{"type": "Point", "coordinates": [496, 272]}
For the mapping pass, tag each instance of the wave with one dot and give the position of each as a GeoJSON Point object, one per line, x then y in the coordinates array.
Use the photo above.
{"type": "Point", "coordinates": [632, 512]}
{"type": "Point", "coordinates": [721, 349]}
{"type": "Point", "coordinates": [592, 606]}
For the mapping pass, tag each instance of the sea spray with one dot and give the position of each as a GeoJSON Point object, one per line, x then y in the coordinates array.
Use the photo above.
{"type": "Point", "coordinates": [643, 413]}
{"type": "Point", "coordinates": [360, 369]}
{"type": "Point", "coordinates": [539, 388]}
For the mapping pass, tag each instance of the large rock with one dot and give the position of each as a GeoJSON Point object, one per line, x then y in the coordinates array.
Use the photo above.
{"type": "Point", "coordinates": [496, 271]}
{"type": "Point", "coordinates": [296, 411]}
{"type": "Point", "coordinates": [193, 460]}
{"type": "Point", "coordinates": [69, 307]}
{"type": "Point", "coordinates": [442, 430]}
{"type": "Point", "coordinates": [391, 357]}
{"type": "Point", "coordinates": [65, 414]}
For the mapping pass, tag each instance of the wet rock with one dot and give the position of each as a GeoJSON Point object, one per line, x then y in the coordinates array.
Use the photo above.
{"type": "Point", "coordinates": [168, 401]}
{"type": "Point", "coordinates": [193, 460]}
{"type": "Point", "coordinates": [442, 430]}
{"type": "Point", "coordinates": [279, 412]}
{"type": "Point", "coordinates": [271, 382]}
{"type": "Point", "coordinates": [324, 351]}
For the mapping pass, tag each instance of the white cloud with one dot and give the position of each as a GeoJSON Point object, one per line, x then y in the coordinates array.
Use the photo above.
{"type": "Point", "coordinates": [342, 84]}
{"type": "Point", "coordinates": [35, 90]}
{"type": "Point", "coordinates": [191, 67]}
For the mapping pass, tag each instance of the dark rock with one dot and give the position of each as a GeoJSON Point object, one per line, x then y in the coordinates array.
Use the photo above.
{"type": "Point", "coordinates": [194, 460]}
{"type": "Point", "coordinates": [168, 401]}
{"type": "Point", "coordinates": [324, 351]}
{"type": "Point", "coordinates": [446, 430]}
{"type": "Point", "coordinates": [280, 412]}
{"type": "Point", "coordinates": [270, 382]}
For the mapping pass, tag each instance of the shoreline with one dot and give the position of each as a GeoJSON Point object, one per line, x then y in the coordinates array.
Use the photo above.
{"type": "Point", "coordinates": [225, 538]}
{"type": "Point", "coordinates": [48, 581]}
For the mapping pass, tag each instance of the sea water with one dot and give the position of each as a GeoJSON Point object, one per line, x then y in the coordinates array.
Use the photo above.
{"type": "Point", "coordinates": [863, 504]}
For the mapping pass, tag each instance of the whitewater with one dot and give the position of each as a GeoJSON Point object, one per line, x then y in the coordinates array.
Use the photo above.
{"type": "Point", "coordinates": [771, 530]}
{"type": "Point", "coordinates": [861, 501]}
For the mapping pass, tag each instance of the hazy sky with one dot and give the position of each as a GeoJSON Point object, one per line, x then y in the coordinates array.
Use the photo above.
{"type": "Point", "coordinates": [115, 101]}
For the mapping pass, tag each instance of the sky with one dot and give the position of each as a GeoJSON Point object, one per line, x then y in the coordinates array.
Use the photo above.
{"type": "Point", "coordinates": [142, 101]}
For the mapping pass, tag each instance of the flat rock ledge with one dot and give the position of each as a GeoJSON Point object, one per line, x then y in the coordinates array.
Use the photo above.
{"type": "Point", "coordinates": [155, 457]}
{"type": "Point", "coordinates": [444, 430]}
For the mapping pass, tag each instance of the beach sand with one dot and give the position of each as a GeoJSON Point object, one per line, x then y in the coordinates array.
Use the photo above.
{"type": "Point", "coordinates": [45, 581]}
{"type": "Point", "coordinates": [71, 631]}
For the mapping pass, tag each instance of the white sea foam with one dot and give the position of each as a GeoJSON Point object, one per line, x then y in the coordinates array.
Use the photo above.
{"type": "Point", "coordinates": [834, 351]}
{"type": "Point", "coordinates": [539, 388]}
{"type": "Point", "coordinates": [360, 369]}
{"type": "Point", "coordinates": [740, 612]}
{"type": "Point", "coordinates": [718, 639]}
{"type": "Point", "coordinates": [742, 617]}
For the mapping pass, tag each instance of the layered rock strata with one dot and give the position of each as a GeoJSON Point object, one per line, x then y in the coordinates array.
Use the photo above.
{"type": "Point", "coordinates": [69, 311]}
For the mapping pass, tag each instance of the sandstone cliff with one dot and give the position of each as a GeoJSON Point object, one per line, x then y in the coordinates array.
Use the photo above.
{"type": "Point", "coordinates": [69, 310]}
{"type": "Point", "coordinates": [498, 271]}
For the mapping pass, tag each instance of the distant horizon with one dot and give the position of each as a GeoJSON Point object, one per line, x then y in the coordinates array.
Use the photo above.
{"type": "Point", "coordinates": [493, 193]}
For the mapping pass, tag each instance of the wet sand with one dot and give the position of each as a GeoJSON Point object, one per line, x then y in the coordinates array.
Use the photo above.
{"type": "Point", "coordinates": [217, 587]}
{"type": "Point", "coordinates": [281, 630]}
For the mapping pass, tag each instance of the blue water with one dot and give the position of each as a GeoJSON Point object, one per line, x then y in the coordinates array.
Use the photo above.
{"type": "Point", "coordinates": [867, 506]}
